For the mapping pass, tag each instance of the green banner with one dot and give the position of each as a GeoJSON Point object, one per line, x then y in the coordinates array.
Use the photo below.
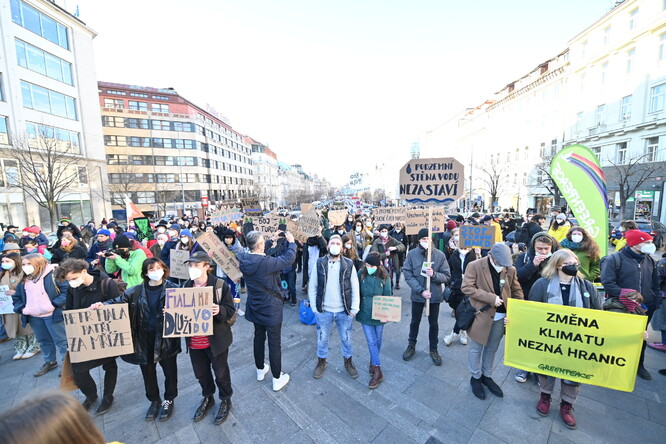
{"type": "Point", "coordinates": [577, 173]}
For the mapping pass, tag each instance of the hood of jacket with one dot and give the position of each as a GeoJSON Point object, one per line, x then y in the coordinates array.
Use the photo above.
{"type": "Point", "coordinates": [532, 250]}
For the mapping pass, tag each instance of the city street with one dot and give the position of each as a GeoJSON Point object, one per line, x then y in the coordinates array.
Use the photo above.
{"type": "Point", "coordinates": [417, 402]}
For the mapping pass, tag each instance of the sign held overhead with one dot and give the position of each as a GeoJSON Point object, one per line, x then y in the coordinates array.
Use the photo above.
{"type": "Point", "coordinates": [432, 181]}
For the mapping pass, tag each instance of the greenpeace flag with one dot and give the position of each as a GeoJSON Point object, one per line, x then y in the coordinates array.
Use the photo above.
{"type": "Point", "coordinates": [578, 175]}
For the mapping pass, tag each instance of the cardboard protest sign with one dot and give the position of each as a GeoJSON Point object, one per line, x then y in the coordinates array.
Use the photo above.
{"type": "Point", "coordinates": [6, 302]}
{"type": "Point", "coordinates": [305, 207]}
{"type": "Point", "coordinates": [96, 334]}
{"type": "Point", "coordinates": [387, 308]}
{"type": "Point", "coordinates": [225, 204]}
{"type": "Point", "coordinates": [309, 223]}
{"type": "Point", "coordinates": [337, 217]}
{"type": "Point", "coordinates": [266, 224]}
{"type": "Point", "coordinates": [224, 258]}
{"type": "Point", "coordinates": [579, 344]}
{"type": "Point", "coordinates": [188, 312]}
{"type": "Point", "coordinates": [432, 181]}
{"type": "Point", "coordinates": [389, 215]}
{"type": "Point", "coordinates": [177, 265]}
{"type": "Point", "coordinates": [143, 229]}
{"type": "Point", "coordinates": [226, 216]}
{"type": "Point", "coordinates": [418, 218]}
{"type": "Point", "coordinates": [251, 205]}
{"type": "Point", "coordinates": [477, 236]}
{"type": "Point", "coordinates": [295, 229]}
{"type": "Point", "coordinates": [67, 382]}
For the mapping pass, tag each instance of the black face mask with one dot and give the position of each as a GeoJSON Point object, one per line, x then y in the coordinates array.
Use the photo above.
{"type": "Point", "coordinates": [570, 270]}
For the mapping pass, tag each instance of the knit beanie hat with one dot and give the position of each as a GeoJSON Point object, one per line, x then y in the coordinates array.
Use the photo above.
{"type": "Point", "coordinates": [451, 224]}
{"type": "Point", "coordinates": [635, 237]}
{"type": "Point", "coordinates": [423, 232]}
{"type": "Point", "coordinates": [122, 241]}
{"type": "Point", "coordinates": [373, 259]}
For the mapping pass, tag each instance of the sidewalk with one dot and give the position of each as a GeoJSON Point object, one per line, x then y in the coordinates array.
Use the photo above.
{"type": "Point", "coordinates": [416, 403]}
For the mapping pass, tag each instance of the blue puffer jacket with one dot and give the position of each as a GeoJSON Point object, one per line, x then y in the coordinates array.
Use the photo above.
{"type": "Point", "coordinates": [57, 292]}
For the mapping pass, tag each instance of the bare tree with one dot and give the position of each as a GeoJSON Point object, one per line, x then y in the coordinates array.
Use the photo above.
{"type": "Point", "coordinates": [545, 180]}
{"type": "Point", "coordinates": [492, 181]}
{"type": "Point", "coordinates": [379, 195]}
{"type": "Point", "coordinates": [630, 176]}
{"type": "Point", "coordinates": [366, 196]}
{"type": "Point", "coordinates": [164, 196]}
{"type": "Point", "coordinates": [124, 184]}
{"type": "Point", "coordinates": [47, 168]}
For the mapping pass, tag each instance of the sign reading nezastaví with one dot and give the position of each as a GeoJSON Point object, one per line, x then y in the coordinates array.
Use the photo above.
{"type": "Point", "coordinates": [432, 181]}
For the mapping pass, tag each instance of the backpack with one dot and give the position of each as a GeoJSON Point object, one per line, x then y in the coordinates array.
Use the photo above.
{"type": "Point", "coordinates": [523, 235]}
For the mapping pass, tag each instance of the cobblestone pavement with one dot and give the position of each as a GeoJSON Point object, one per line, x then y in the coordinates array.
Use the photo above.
{"type": "Point", "coordinates": [417, 402]}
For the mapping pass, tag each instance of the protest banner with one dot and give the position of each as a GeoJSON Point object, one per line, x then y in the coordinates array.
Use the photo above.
{"type": "Point", "coordinates": [96, 334]}
{"type": "Point", "coordinates": [295, 229]}
{"type": "Point", "coordinates": [432, 181]}
{"type": "Point", "coordinates": [177, 265]}
{"type": "Point", "coordinates": [387, 308]}
{"type": "Point", "coordinates": [266, 224]}
{"type": "Point", "coordinates": [224, 258]}
{"type": "Point", "coordinates": [251, 205]}
{"type": "Point", "coordinates": [188, 312]}
{"type": "Point", "coordinates": [389, 215]}
{"type": "Point", "coordinates": [6, 302]}
{"type": "Point", "coordinates": [582, 345]}
{"type": "Point", "coordinates": [337, 217]}
{"type": "Point", "coordinates": [309, 223]}
{"type": "Point", "coordinates": [143, 229]}
{"type": "Point", "coordinates": [477, 236]}
{"type": "Point", "coordinates": [226, 216]}
{"type": "Point", "coordinates": [415, 219]}
{"type": "Point", "coordinates": [578, 174]}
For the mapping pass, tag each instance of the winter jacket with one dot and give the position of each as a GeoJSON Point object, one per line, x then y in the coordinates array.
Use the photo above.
{"type": "Point", "coordinates": [57, 292]}
{"type": "Point", "coordinates": [559, 232]}
{"type": "Point", "coordinates": [347, 278]}
{"type": "Point", "coordinates": [621, 270]}
{"type": "Point", "coordinates": [528, 273]}
{"type": "Point", "coordinates": [588, 268]}
{"type": "Point", "coordinates": [60, 255]}
{"type": "Point", "coordinates": [458, 268]}
{"type": "Point", "coordinates": [539, 292]}
{"type": "Point", "coordinates": [98, 247]}
{"type": "Point", "coordinates": [532, 228]}
{"type": "Point", "coordinates": [75, 231]}
{"type": "Point", "coordinates": [369, 287]}
{"type": "Point", "coordinates": [137, 301]}
{"type": "Point", "coordinates": [101, 289]}
{"type": "Point", "coordinates": [314, 245]}
{"type": "Point", "coordinates": [130, 268]}
{"type": "Point", "coordinates": [412, 271]}
{"type": "Point", "coordinates": [379, 247]}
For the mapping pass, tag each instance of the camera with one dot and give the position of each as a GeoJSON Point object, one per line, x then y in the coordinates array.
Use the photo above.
{"type": "Point", "coordinates": [112, 252]}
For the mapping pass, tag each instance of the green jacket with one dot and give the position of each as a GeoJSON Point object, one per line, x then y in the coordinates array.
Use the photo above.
{"type": "Point", "coordinates": [371, 286]}
{"type": "Point", "coordinates": [130, 268]}
{"type": "Point", "coordinates": [590, 270]}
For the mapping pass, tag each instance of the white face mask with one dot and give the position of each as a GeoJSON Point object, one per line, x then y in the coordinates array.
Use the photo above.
{"type": "Point", "coordinates": [577, 238]}
{"type": "Point", "coordinates": [8, 266]}
{"type": "Point", "coordinates": [161, 229]}
{"type": "Point", "coordinates": [334, 250]}
{"type": "Point", "coordinates": [384, 235]}
{"type": "Point", "coordinates": [195, 273]}
{"type": "Point", "coordinates": [76, 283]}
{"type": "Point", "coordinates": [347, 246]}
{"type": "Point", "coordinates": [398, 230]}
{"type": "Point", "coordinates": [28, 269]}
{"type": "Point", "coordinates": [173, 234]}
{"type": "Point", "coordinates": [648, 249]}
{"type": "Point", "coordinates": [185, 240]}
{"type": "Point", "coordinates": [424, 244]}
{"type": "Point", "coordinates": [341, 231]}
{"type": "Point", "coordinates": [358, 229]}
{"type": "Point", "coordinates": [463, 250]}
{"type": "Point", "coordinates": [368, 224]}
{"type": "Point", "coordinates": [155, 275]}
{"type": "Point", "coordinates": [161, 242]}
{"type": "Point", "coordinates": [495, 266]}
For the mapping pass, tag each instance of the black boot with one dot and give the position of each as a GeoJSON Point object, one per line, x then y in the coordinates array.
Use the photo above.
{"type": "Point", "coordinates": [167, 410]}
{"type": "Point", "coordinates": [105, 405]}
{"type": "Point", "coordinates": [153, 410]}
{"type": "Point", "coordinates": [223, 412]}
{"type": "Point", "coordinates": [203, 408]}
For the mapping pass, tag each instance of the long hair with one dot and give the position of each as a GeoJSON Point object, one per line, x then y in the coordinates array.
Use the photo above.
{"type": "Point", "coordinates": [588, 244]}
{"type": "Point", "coordinates": [16, 271]}
{"type": "Point", "coordinates": [350, 253]}
{"type": "Point", "coordinates": [38, 261]}
{"type": "Point", "coordinates": [556, 261]}
{"type": "Point", "coordinates": [54, 417]}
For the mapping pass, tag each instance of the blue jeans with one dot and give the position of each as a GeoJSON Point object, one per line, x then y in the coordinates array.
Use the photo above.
{"type": "Point", "coordinates": [344, 323]}
{"type": "Point", "coordinates": [50, 335]}
{"type": "Point", "coordinates": [373, 334]}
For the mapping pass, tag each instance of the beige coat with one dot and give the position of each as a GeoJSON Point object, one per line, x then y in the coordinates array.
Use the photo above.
{"type": "Point", "coordinates": [478, 285]}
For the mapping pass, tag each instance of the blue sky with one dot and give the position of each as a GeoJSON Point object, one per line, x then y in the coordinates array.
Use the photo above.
{"type": "Point", "coordinates": [334, 85]}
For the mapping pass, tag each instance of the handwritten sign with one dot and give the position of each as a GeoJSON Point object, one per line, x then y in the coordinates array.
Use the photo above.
{"type": "Point", "coordinates": [143, 229]}
{"type": "Point", "coordinates": [224, 258]}
{"type": "Point", "coordinates": [251, 205]}
{"type": "Point", "coordinates": [417, 218]}
{"type": "Point", "coordinates": [225, 204]}
{"type": "Point", "coordinates": [337, 217]}
{"type": "Point", "coordinates": [432, 181]}
{"type": "Point", "coordinates": [226, 216]}
{"type": "Point", "coordinates": [309, 223]}
{"type": "Point", "coordinates": [188, 312]}
{"type": "Point", "coordinates": [96, 334]}
{"type": "Point", "coordinates": [6, 303]}
{"type": "Point", "coordinates": [295, 229]}
{"type": "Point", "coordinates": [389, 215]}
{"type": "Point", "coordinates": [387, 308]}
{"type": "Point", "coordinates": [479, 236]}
{"type": "Point", "coordinates": [266, 224]}
{"type": "Point", "coordinates": [177, 265]}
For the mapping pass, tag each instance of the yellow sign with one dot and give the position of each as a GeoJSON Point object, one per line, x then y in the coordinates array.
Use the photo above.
{"type": "Point", "coordinates": [578, 344]}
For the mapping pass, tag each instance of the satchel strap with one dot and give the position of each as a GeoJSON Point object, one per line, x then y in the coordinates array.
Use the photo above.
{"type": "Point", "coordinates": [484, 308]}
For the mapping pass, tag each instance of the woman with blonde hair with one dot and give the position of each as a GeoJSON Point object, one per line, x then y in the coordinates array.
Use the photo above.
{"type": "Point", "coordinates": [562, 284]}
{"type": "Point", "coordinates": [39, 299]}
{"type": "Point", "coordinates": [586, 249]}
{"type": "Point", "coordinates": [54, 417]}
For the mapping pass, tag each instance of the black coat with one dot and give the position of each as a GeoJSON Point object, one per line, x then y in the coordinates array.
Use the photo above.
{"type": "Point", "coordinates": [620, 270]}
{"type": "Point", "coordinates": [101, 289]}
{"type": "Point", "coordinates": [75, 231]}
{"type": "Point", "coordinates": [458, 268]}
{"type": "Point", "coordinates": [60, 255]}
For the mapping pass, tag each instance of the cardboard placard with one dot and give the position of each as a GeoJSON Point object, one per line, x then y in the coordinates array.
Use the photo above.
{"type": "Point", "coordinates": [432, 181]}
{"type": "Point", "coordinates": [225, 204]}
{"type": "Point", "coordinates": [389, 215]}
{"type": "Point", "coordinates": [295, 229]}
{"type": "Point", "coordinates": [479, 236]}
{"type": "Point", "coordinates": [418, 218]}
{"type": "Point", "coordinates": [96, 334]}
{"type": "Point", "coordinates": [188, 312]}
{"type": "Point", "coordinates": [266, 224]}
{"type": "Point", "coordinates": [6, 302]}
{"type": "Point", "coordinates": [143, 229]}
{"type": "Point", "coordinates": [177, 265]}
{"type": "Point", "coordinates": [226, 216]}
{"type": "Point", "coordinates": [387, 308]}
{"type": "Point", "coordinates": [337, 217]}
{"type": "Point", "coordinates": [224, 258]}
{"type": "Point", "coordinates": [251, 205]}
{"type": "Point", "coordinates": [305, 207]}
{"type": "Point", "coordinates": [67, 382]}
{"type": "Point", "coordinates": [309, 223]}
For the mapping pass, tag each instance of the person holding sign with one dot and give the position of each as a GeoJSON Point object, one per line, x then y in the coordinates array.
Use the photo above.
{"type": "Point", "coordinates": [389, 250]}
{"type": "Point", "coordinates": [146, 306]}
{"type": "Point", "coordinates": [373, 280]}
{"type": "Point", "coordinates": [489, 282]}
{"type": "Point", "coordinates": [562, 283]}
{"type": "Point", "coordinates": [86, 288]}
{"type": "Point", "coordinates": [125, 260]}
{"type": "Point", "coordinates": [416, 270]}
{"type": "Point", "coordinates": [212, 351]}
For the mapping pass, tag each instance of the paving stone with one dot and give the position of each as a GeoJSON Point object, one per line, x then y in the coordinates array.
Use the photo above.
{"type": "Point", "coordinates": [503, 421]}
{"type": "Point", "coordinates": [392, 435]}
{"type": "Point", "coordinates": [481, 437]}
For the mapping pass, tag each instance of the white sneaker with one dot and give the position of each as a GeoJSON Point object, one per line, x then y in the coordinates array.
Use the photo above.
{"type": "Point", "coordinates": [448, 339]}
{"type": "Point", "coordinates": [463, 337]}
{"type": "Point", "coordinates": [241, 312]}
{"type": "Point", "coordinates": [280, 382]}
{"type": "Point", "coordinates": [18, 356]}
{"type": "Point", "coordinates": [28, 355]}
{"type": "Point", "coordinates": [261, 373]}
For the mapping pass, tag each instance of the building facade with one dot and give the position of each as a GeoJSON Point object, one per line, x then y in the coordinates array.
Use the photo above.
{"type": "Point", "coordinates": [48, 96]}
{"type": "Point", "coordinates": [266, 178]}
{"type": "Point", "coordinates": [166, 153]}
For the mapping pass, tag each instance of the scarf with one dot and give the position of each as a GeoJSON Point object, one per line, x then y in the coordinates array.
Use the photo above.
{"type": "Point", "coordinates": [575, 294]}
{"type": "Point", "coordinates": [571, 245]}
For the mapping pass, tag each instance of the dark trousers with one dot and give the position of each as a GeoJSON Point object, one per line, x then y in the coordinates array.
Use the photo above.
{"type": "Point", "coordinates": [417, 313]}
{"type": "Point", "coordinates": [149, 372]}
{"type": "Point", "coordinates": [650, 312]}
{"type": "Point", "coordinates": [202, 361]}
{"type": "Point", "coordinates": [87, 384]}
{"type": "Point", "coordinates": [299, 259]}
{"type": "Point", "coordinates": [274, 333]}
{"type": "Point", "coordinates": [291, 284]}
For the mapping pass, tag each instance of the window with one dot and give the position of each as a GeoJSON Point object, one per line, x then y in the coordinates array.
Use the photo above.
{"type": "Point", "coordinates": [137, 106]}
{"type": "Point", "coordinates": [44, 63]}
{"type": "Point", "coordinates": [633, 19]}
{"type": "Point", "coordinates": [116, 159]}
{"type": "Point", "coordinates": [159, 107]}
{"type": "Point", "coordinates": [651, 148]}
{"type": "Point", "coordinates": [145, 197]}
{"type": "Point", "coordinates": [136, 123]}
{"type": "Point", "coordinates": [662, 42]}
{"type": "Point", "coordinates": [118, 122]}
{"type": "Point", "coordinates": [597, 151]}
{"type": "Point", "coordinates": [604, 73]}
{"type": "Point", "coordinates": [542, 151]}
{"type": "Point", "coordinates": [606, 37]}
{"type": "Point", "coordinates": [114, 103]}
{"type": "Point", "coordinates": [82, 175]}
{"type": "Point", "coordinates": [4, 135]}
{"type": "Point", "coordinates": [621, 158]}
{"type": "Point", "coordinates": [138, 141]}
{"type": "Point", "coordinates": [657, 98]}
{"type": "Point", "coordinates": [164, 125]}
{"type": "Point", "coordinates": [625, 108]}
{"type": "Point", "coordinates": [68, 140]}
{"type": "Point", "coordinates": [553, 147]}
{"type": "Point", "coordinates": [579, 121]}
{"type": "Point", "coordinates": [115, 93]}
{"type": "Point", "coordinates": [600, 115]}
{"type": "Point", "coordinates": [28, 17]}
{"type": "Point", "coordinates": [11, 173]}
{"type": "Point", "coordinates": [139, 95]}
{"type": "Point", "coordinates": [115, 140]}
{"type": "Point", "coordinates": [160, 97]}
{"type": "Point", "coordinates": [630, 59]}
{"type": "Point", "coordinates": [47, 101]}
